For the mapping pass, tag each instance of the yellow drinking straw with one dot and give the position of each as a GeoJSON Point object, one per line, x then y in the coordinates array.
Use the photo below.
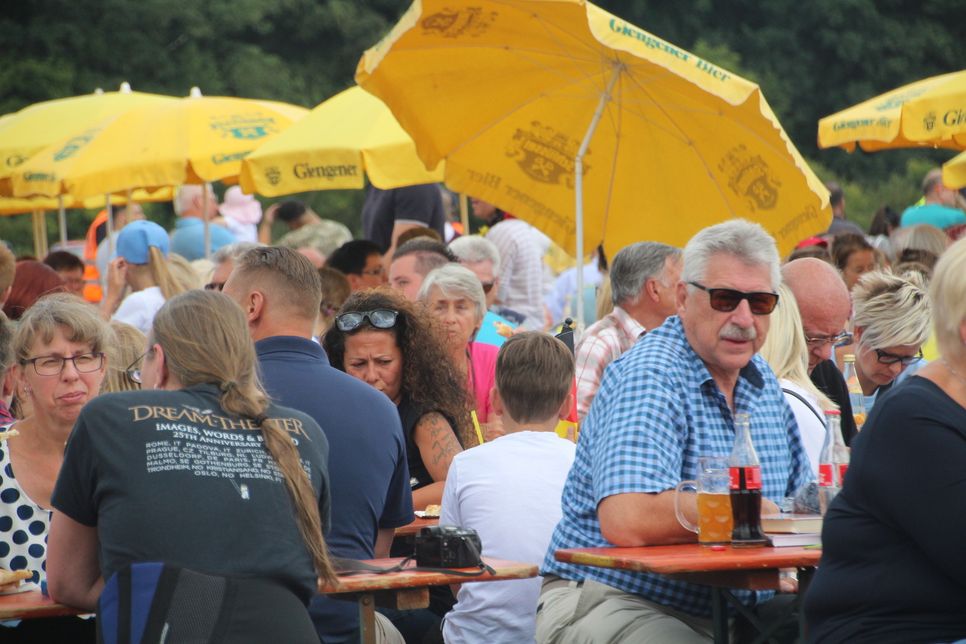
{"type": "Point", "coordinates": [476, 425]}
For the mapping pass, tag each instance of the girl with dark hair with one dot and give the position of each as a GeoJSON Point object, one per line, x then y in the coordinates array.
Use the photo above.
{"type": "Point", "coordinates": [385, 340]}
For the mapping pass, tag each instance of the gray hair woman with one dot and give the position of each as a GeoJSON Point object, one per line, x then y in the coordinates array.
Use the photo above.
{"type": "Point", "coordinates": [454, 296]}
{"type": "Point", "coordinates": [892, 321]}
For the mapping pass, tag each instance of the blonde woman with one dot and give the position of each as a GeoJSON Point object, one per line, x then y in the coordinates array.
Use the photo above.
{"type": "Point", "coordinates": [124, 359]}
{"type": "Point", "coordinates": [141, 264]}
{"type": "Point", "coordinates": [787, 354]}
{"type": "Point", "coordinates": [199, 470]}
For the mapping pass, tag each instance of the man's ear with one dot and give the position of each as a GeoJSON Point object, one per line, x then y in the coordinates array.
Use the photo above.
{"type": "Point", "coordinates": [650, 290]}
{"type": "Point", "coordinates": [254, 306]}
{"type": "Point", "coordinates": [681, 296]}
{"type": "Point", "coordinates": [496, 403]}
{"type": "Point", "coordinates": [566, 406]}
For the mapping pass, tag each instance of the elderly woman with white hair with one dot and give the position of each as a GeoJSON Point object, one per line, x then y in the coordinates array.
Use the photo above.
{"type": "Point", "coordinates": [892, 320]}
{"type": "Point", "coordinates": [453, 294]}
{"type": "Point", "coordinates": [892, 567]}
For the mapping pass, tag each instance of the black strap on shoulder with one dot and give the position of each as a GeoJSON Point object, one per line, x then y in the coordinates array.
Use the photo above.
{"type": "Point", "coordinates": [167, 582]}
{"type": "Point", "coordinates": [348, 567]}
{"type": "Point", "coordinates": [804, 402]}
{"type": "Point", "coordinates": [124, 606]}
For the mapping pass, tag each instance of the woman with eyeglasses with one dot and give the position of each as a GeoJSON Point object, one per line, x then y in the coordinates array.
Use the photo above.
{"type": "Point", "coordinates": [384, 340]}
{"type": "Point", "coordinates": [453, 294]}
{"type": "Point", "coordinates": [142, 265]}
{"type": "Point", "coordinates": [891, 321]}
{"type": "Point", "coordinates": [59, 351]}
{"type": "Point", "coordinates": [892, 567]}
{"type": "Point", "coordinates": [198, 470]}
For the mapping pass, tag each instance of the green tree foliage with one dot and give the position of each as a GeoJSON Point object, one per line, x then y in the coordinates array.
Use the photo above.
{"type": "Point", "coordinates": [811, 59]}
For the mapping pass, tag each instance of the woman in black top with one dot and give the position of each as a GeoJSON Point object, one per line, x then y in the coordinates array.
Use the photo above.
{"type": "Point", "coordinates": [385, 340]}
{"type": "Point", "coordinates": [892, 567]}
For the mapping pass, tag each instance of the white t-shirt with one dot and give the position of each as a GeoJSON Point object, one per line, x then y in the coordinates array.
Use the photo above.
{"type": "Point", "coordinates": [810, 425]}
{"type": "Point", "coordinates": [509, 491]}
{"type": "Point", "coordinates": [138, 308]}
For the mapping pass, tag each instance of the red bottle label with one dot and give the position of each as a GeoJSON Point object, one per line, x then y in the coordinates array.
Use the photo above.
{"type": "Point", "coordinates": [752, 478]}
{"type": "Point", "coordinates": [843, 468]}
{"type": "Point", "coordinates": [825, 475]}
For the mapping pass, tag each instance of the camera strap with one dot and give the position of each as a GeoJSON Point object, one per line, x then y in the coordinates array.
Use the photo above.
{"type": "Point", "coordinates": [348, 567]}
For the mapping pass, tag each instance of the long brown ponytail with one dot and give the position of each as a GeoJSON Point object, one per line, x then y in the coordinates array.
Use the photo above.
{"type": "Point", "coordinates": [205, 339]}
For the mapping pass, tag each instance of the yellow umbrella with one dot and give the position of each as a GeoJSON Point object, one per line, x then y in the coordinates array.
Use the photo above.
{"type": "Point", "coordinates": [573, 119]}
{"type": "Point", "coordinates": [351, 133]}
{"type": "Point", "coordinates": [36, 126]}
{"type": "Point", "coordinates": [954, 172]}
{"type": "Point", "coordinates": [20, 205]}
{"type": "Point", "coordinates": [929, 113]}
{"type": "Point", "coordinates": [190, 140]}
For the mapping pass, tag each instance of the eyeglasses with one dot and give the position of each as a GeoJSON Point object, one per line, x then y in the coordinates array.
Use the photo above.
{"type": "Point", "coordinates": [133, 371]}
{"type": "Point", "coordinates": [54, 365]}
{"type": "Point", "coordinates": [884, 357]}
{"type": "Point", "coordinates": [379, 318]}
{"type": "Point", "coordinates": [214, 286]}
{"type": "Point", "coordinates": [375, 272]}
{"type": "Point", "coordinates": [488, 286]}
{"type": "Point", "coordinates": [835, 340]}
{"type": "Point", "coordinates": [727, 299]}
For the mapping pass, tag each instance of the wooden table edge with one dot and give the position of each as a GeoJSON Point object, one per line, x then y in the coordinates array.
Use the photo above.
{"type": "Point", "coordinates": [371, 582]}
{"type": "Point", "coordinates": [33, 604]}
{"type": "Point", "coordinates": [676, 561]}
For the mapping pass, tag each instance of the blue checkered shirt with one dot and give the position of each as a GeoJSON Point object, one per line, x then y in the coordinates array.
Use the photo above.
{"type": "Point", "coordinates": [657, 411]}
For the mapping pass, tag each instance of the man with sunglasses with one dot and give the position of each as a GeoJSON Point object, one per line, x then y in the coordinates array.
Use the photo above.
{"type": "Point", "coordinates": [280, 292]}
{"type": "Point", "coordinates": [666, 402]}
{"type": "Point", "coordinates": [825, 305]}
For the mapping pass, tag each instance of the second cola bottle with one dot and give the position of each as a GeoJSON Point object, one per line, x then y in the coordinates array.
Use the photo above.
{"type": "Point", "coordinates": [745, 471]}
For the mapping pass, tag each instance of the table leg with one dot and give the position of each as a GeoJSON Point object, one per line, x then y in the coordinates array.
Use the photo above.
{"type": "Point", "coordinates": [804, 579]}
{"type": "Point", "coordinates": [719, 616]}
{"type": "Point", "coordinates": [367, 618]}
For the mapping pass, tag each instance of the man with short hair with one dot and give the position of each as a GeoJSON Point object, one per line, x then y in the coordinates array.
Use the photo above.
{"type": "Point", "coordinates": [840, 224]}
{"type": "Point", "coordinates": [70, 267]}
{"type": "Point", "coordinates": [306, 229]}
{"type": "Point", "coordinates": [521, 271]}
{"type": "Point", "coordinates": [193, 208]}
{"type": "Point", "coordinates": [939, 205]}
{"type": "Point", "coordinates": [360, 260]}
{"type": "Point", "coordinates": [413, 261]}
{"type": "Point", "coordinates": [825, 306]}
{"type": "Point", "coordinates": [508, 489]}
{"type": "Point", "coordinates": [669, 400]}
{"type": "Point", "coordinates": [224, 261]}
{"type": "Point", "coordinates": [279, 291]}
{"type": "Point", "coordinates": [643, 279]}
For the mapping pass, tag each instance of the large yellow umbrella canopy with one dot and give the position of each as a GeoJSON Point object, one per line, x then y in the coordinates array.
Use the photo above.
{"type": "Point", "coordinates": [36, 126]}
{"type": "Point", "coordinates": [344, 138]}
{"type": "Point", "coordinates": [190, 140]}
{"type": "Point", "coordinates": [954, 172]}
{"type": "Point", "coordinates": [507, 91]}
{"type": "Point", "coordinates": [20, 205]}
{"type": "Point", "coordinates": [928, 113]}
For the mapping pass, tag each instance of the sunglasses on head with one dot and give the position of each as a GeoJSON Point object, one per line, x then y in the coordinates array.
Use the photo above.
{"type": "Point", "coordinates": [378, 318]}
{"type": "Point", "coordinates": [727, 299]}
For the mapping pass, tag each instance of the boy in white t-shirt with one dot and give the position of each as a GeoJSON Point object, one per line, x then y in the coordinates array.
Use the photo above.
{"type": "Point", "coordinates": [509, 490]}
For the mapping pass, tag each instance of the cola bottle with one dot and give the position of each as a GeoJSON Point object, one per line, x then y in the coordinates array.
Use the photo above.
{"type": "Point", "coordinates": [833, 462]}
{"type": "Point", "coordinates": [745, 471]}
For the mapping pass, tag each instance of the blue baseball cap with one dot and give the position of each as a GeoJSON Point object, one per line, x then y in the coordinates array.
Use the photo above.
{"type": "Point", "coordinates": [135, 240]}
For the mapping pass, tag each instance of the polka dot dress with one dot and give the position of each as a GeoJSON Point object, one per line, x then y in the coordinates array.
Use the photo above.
{"type": "Point", "coordinates": [23, 526]}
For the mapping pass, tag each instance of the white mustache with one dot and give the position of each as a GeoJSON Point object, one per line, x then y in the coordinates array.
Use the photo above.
{"type": "Point", "coordinates": [741, 334]}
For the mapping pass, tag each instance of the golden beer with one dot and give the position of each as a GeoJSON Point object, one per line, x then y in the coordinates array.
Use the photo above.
{"type": "Point", "coordinates": [714, 518]}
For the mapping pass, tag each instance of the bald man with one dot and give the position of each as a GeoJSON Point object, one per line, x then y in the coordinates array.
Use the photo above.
{"type": "Point", "coordinates": [825, 306]}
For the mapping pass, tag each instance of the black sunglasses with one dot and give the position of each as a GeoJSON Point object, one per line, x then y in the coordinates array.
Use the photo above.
{"type": "Point", "coordinates": [727, 299]}
{"type": "Point", "coordinates": [379, 318]}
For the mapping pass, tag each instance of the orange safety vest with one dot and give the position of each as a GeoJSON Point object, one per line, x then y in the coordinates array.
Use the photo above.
{"type": "Point", "coordinates": [92, 278]}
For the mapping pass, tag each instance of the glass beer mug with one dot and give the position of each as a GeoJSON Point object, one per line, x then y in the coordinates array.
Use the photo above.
{"type": "Point", "coordinates": [714, 501]}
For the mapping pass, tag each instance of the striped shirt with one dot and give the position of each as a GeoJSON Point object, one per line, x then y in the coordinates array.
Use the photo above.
{"type": "Point", "coordinates": [604, 341]}
{"type": "Point", "coordinates": [657, 411]}
{"type": "Point", "coordinates": [521, 268]}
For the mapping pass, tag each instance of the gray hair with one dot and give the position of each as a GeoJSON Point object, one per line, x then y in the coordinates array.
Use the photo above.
{"type": "Point", "coordinates": [233, 251]}
{"type": "Point", "coordinates": [472, 249]}
{"type": "Point", "coordinates": [743, 239]}
{"type": "Point", "coordinates": [948, 296]}
{"type": "Point", "coordinates": [635, 264]}
{"type": "Point", "coordinates": [892, 310]}
{"type": "Point", "coordinates": [187, 193]}
{"type": "Point", "coordinates": [455, 281]}
{"type": "Point", "coordinates": [919, 237]}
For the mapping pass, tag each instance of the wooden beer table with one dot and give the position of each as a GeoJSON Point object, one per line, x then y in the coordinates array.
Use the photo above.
{"type": "Point", "coordinates": [32, 604]}
{"type": "Point", "coordinates": [408, 589]}
{"type": "Point", "coordinates": [721, 568]}
{"type": "Point", "coordinates": [417, 525]}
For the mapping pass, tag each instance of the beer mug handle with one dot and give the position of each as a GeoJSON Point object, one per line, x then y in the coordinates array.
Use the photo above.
{"type": "Point", "coordinates": [683, 520]}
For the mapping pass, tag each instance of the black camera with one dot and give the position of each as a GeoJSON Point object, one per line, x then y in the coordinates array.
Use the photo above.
{"type": "Point", "coordinates": [448, 547]}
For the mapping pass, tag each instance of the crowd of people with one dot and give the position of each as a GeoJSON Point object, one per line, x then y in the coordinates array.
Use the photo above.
{"type": "Point", "coordinates": [257, 409]}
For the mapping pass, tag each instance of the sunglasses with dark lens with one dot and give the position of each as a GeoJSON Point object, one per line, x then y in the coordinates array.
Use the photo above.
{"type": "Point", "coordinates": [214, 286]}
{"type": "Point", "coordinates": [379, 318]}
{"type": "Point", "coordinates": [884, 357]}
{"type": "Point", "coordinates": [488, 286]}
{"type": "Point", "coordinates": [727, 299]}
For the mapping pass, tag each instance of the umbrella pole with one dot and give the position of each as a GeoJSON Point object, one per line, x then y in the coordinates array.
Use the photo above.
{"type": "Point", "coordinates": [40, 233]}
{"type": "Point", "coordinates": [62, 222]}
{"type": "Point", "coordinates": [204, 218]}
{"type": "Point", "coordinates": [579, 190]}
{"type": "Point", "coordinates": [110, 224]}
{"type": "Point", "coordinates": [465, 212]}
